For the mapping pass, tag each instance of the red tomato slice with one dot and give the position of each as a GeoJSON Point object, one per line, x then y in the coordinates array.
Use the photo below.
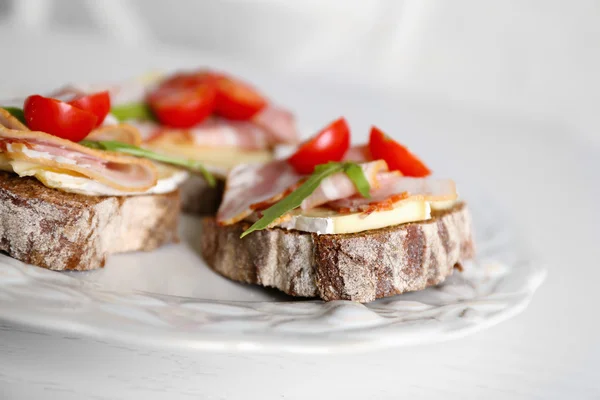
{"type": "Point", "coordinates": [237, 100]}
{"type": "Point", "coordinates": [182, 101]}
{"type": "Point", "coordinates": [397, 157]}
{"type": "Point", "coordinates": [96, 103]}
{"type": "Point", "coordinates": [58, 118]}
{"type": "Point", "coordinates": [328, 145]}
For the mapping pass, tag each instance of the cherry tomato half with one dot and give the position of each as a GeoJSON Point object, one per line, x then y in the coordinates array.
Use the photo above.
{"type": "Point", "coordinates": [397, 157]}
{"type": "Point", "coordinates": [96, 103]}
{"type": "Point", "coordinates": [328, 145]}
{"type": "Point", "coordinates": [58, 118]}
{"type": "Point", "coordinates": [237, 100]}
{"type": "Point", "coordinates": [183, 100]}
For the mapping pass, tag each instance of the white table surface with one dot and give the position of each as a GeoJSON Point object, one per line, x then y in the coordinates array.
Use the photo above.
{"type": "Point", "coordinates": [544, 176]}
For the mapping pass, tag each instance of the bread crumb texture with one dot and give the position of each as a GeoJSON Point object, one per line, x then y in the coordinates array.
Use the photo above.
{"type": "Point", "coordinates": [359, 266]}
{"type": "Point", "coordinates": [66, 231]}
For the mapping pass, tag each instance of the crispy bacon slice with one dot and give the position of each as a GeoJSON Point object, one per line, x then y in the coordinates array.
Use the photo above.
{"type": "Point", "coordinates": [278, 123]}
{"type": "Point", "coordinates": [214, 132]}
{"type": "Point", "coordinates": [358, 154]}
{"type": "Point", "coordinates": [248, 185]}
{"type": "Point", "coordinates": [7, 120]}
{"type": "Point", "coordinates": [124, 133]}
{"type": "Point", "coordinates": [125, 173]}
{"type": "Point", "coordinates": [392, 185]}
{"type": "Point", "coordinates": [219, 132]}
{"type": "Point", "coordinates": [370, 207]}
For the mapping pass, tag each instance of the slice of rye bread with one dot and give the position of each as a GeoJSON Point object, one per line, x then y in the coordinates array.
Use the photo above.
{"type": "Point", "coordinates": [66, 231]}
{"type": "Point", "coordinates": [198, 198]}
{"type": "Point", "coordinates": [359, 266]}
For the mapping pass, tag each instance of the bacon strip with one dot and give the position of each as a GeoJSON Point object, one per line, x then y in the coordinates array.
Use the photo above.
{"type": "Point", "coordinates": [339, 186]}
{"type": "Point", "coordinates": [214, 132]}
{"type": "Point", "coordinates": [125, 173]}
{"type": "Point", "coordinates": [279, 124]}
{"type": "Point", "coordinates": [121, 133]}
{"type": "Point", "coordinates": [359, 154]}
{"type": "Point", "coordinates": [392, 185]}
{"type": "Point", "coordinates": [250, 185]}
{"type": "Point", "coordinates": [218, 132]}
{"type": "Point", "coordinates": [9, 121]}
{"type": "Point", "coordinates": [368, 208]}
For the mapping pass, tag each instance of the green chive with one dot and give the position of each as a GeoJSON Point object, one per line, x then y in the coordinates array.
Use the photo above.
{"type": "Point", "coordinates": [119, 147]}
{"type": "Point", "coordinates": [131, 111]}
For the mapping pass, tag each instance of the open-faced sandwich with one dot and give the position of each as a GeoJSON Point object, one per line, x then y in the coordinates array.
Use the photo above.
{"type": "Point", "coordinates": [74, 188]}
{"type": "Point", "coordinates": [339, 223]}
{"type": "Point", "coordinates": [209, 117]}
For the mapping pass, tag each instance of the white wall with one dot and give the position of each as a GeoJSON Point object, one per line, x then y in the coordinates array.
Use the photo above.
{"type": "Point", "coordinates": [533, 57]}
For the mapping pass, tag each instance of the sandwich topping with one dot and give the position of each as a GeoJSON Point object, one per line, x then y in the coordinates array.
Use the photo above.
{"type": "Point", "coordinates": [327, 187]}
{"type": "Point", "coordinates": [207, 116]}
{"type": "Point", "coordinates": [436, 191]}
{"type": "Point", "coordinates": [202, 121]}
{"type": "Point", "coordinates": [128, 174]}
{"type": "Point", "coordinates": [73, 146]}
{"type": "Point", "coordinates": [257, 186]}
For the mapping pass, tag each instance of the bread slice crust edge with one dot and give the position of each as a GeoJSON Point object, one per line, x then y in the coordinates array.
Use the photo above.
{"type": "Point", "coordinates": [66, 231]}
{"type": "Point", "coordinates": [360, 266]}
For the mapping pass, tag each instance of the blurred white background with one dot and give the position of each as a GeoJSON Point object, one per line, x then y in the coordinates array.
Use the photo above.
{"type": "Point", "coordinates": [534, 59]}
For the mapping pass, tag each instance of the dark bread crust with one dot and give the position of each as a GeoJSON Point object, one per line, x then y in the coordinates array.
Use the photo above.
{"type": "Point", "coordinates": [359, 266]}
{"type": "Point", "coordinates": [66, 231]}
{"type": "Point", "coordinates": [198, 198]}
